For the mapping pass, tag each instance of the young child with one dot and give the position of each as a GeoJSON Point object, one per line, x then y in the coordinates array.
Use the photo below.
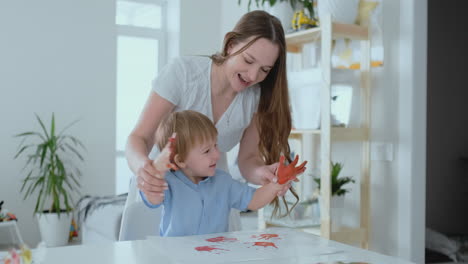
{"type": "Point", "coordinates": [199, 196]}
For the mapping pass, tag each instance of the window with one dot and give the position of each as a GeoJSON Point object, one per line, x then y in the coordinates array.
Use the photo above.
{"type": "Point", "coordinates": [140, 53]}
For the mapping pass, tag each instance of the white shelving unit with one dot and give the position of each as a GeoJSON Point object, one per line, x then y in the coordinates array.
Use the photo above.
{"type": "Point", "coordinates": [327, 32]}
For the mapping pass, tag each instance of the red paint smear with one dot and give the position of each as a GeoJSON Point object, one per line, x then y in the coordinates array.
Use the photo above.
{"type": "Point", "coordinates": [265, 244]}
{"type": "Point", "coordinates": [221, 239]}
{"type": "Point", "coordinates": [208, 248]}
{"type": "Point", "coordinates": [265, 236]}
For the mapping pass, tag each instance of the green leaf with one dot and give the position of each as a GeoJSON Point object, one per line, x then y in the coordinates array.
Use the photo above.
{"type": "Point", "coordinates": [77, 153]}
{"type": "Point", "coordinates": [21, 150]}
{"type": "Point", "coordinates": [43, 127]}
{"type": "Point", "coordinates": [39, 182]}
{"type": "Point", "coordinates": [43, 148]}
{"type": "Point", "coordinates": [52, 126]}
{"type": "Point", "coordinates": [56, 200]}
{"type": "Point", "coordinates": [73, 177]}
{"type": "Point", "coordinates": [26, 134]}
{"type": "Point", "coordinates": [25, 180]}
{"type": "Point", "coordinates": [70, 125]}
{"type": "Point", "coordinates": [36, 208]}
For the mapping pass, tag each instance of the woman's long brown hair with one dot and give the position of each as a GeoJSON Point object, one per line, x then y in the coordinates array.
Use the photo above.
{"type": "Point", "coordinates": [273, 114]}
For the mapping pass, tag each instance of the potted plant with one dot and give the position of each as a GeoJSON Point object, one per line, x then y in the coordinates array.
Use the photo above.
{"type": "Point", "coordinates": [337, 192]}
{"type": "Point", "coordinates": [52, 173]}
{"type": "Point", "coordinates": [337, 183]}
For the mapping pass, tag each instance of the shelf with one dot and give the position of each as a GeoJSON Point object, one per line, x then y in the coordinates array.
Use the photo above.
{"type": "Point", "coordinates": [303, 224]}
{"type": "Point", "coordinates": [296, 40]}
{"type": "Point", "coordinates": [337, 133]}
{"type": "Point", "coordinates": [349, 31]}
{"type": "Point", "coordinates": [329, 134]}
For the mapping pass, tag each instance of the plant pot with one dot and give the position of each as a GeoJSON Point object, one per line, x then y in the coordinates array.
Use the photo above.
{"type": "Point", "coordinates": [336, 211]}
{"type": "Point", "coordinates": [54, 229]}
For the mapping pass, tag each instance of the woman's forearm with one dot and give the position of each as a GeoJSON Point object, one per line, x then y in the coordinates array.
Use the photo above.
{"type": "Point", "coordinates": [251, 164]}
{"type": "Point", "coordinates": [136, 152]}
{"type": "Point", "coordinates": [248, 165]}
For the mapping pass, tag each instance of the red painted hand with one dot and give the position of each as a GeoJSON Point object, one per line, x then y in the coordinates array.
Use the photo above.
{"type": "Point", "coordinates": [289, 172]}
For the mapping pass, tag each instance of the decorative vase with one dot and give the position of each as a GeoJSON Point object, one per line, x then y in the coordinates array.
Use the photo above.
{"type": "Point", "coordinates": [54, 230]}
{"type": "Point", "coordinates": [343, 11]}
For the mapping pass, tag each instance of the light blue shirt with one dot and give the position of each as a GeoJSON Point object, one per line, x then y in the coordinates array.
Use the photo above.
{"type": "Point", "coordinates": [203, 208]}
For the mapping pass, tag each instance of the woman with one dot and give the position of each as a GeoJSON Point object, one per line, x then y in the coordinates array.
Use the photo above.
{"type": "Point", "coordinates": [243, 90]}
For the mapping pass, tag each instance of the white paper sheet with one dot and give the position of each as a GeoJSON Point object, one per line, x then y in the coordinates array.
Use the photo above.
{"type": "Point", "coordinates": [282, 245]}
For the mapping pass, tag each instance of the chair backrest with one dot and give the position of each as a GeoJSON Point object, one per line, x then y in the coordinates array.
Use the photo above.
{"type": "Point", "coordinates": [139, 221]}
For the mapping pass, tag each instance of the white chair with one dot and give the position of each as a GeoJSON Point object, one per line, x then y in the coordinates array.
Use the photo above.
{"type": "Point", "coordinates": [139, 221]}
{"type": "Point", "coordinates": [99, 217]}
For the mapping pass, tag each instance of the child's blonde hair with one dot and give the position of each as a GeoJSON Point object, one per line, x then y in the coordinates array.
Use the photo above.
{"type": "Point", "coordinates": [192, 128]}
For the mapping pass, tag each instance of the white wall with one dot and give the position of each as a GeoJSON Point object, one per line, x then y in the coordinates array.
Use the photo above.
{"type": "Point", "coordinates": [412, 129]}
{"type": "Point", "coordinates": [193, 27]}
{"type": "Point", "coordinates": [199, 24]}
{"type": "Point", "coordinates": [57, 56]}
{"type": "Point", "coordinates": [231, 12]}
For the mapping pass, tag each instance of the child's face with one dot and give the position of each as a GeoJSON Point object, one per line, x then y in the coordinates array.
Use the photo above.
{"type": "Point", "coordinates": [201, 160]}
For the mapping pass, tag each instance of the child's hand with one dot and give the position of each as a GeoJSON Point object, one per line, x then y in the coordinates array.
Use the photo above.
{"type": "Point", "coordinates": [165, 160]}
{"type": "Point", "coordinates": [289, 173]}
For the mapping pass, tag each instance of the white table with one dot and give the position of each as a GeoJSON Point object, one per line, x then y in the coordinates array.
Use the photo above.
{"type": "Point", "coordinates": [290, 246]}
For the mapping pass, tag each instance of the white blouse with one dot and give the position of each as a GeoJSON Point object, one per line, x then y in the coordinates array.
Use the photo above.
{"type": "Point", "coordinates": [185, 82]}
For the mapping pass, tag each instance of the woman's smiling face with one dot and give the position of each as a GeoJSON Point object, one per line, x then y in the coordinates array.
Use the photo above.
{"type": "Point", "coordinates": [252, 65]}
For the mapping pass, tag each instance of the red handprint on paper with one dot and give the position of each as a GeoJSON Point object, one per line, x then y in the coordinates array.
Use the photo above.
{"type": "Point", "coordinates": [165, 160]}
{"type": "Point", "coordinates": [289, 172]}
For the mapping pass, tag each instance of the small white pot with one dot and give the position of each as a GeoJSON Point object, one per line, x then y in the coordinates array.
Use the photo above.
{"type": "Point", "coordinates": [54, 230]}
{"type": "Point", "coordinates": [336, 211]}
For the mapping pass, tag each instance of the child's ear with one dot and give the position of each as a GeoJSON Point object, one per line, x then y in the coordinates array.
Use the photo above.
{"type": "Point", "coordinates": [179, 162]}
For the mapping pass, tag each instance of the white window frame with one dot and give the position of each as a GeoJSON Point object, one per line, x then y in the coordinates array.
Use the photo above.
{"type": "Point", "coordinates": [142, 32]}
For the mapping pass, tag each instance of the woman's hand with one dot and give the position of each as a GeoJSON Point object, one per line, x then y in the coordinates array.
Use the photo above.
{"type": "Point", "coordinates": [151, 177]}
{"type": "Point", "coordinates": [150, 181]}
{"type": "Point", "coordinates": [267, 174]}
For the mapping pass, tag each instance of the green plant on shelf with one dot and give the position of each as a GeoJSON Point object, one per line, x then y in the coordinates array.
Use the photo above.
{"type": "Point", "coordinates": [337, 183]}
